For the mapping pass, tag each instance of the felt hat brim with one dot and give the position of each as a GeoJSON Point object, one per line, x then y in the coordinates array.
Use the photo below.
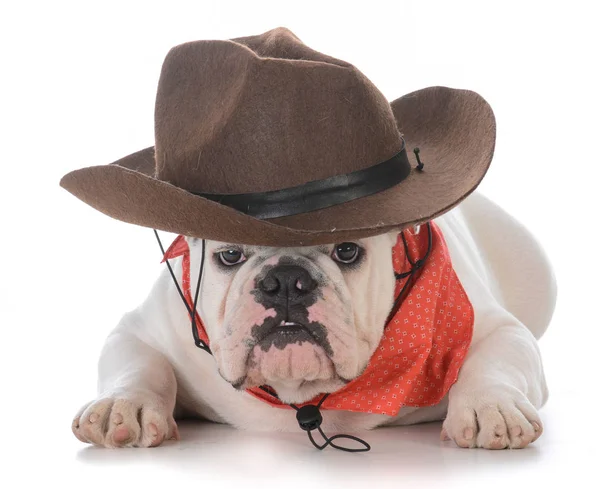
{"type": "Point", "coordinates": [454, 130]}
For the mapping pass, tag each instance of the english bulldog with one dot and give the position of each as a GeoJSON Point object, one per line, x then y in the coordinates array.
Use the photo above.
{"type": "Point", "coordinates": [151, 373]}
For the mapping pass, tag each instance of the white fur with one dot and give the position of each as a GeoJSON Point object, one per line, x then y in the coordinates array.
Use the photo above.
{"type": "Point", "coordinates": [150, 362]}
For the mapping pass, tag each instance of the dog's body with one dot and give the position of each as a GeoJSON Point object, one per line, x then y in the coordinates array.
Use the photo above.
{"type": "Point", "coordinates": [150, 370]}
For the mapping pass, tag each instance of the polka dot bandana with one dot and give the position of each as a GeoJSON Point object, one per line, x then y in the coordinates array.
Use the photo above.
{"type": "Point", "coordinates": [424, 343]}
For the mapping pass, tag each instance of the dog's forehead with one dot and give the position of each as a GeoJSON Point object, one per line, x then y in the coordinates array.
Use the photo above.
{"type": "Point", "coordinates": [213, 246]}
{"type": "Point", "coordinates": [309, 251]}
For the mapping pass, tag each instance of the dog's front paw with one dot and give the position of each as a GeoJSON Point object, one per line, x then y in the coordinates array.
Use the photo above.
{"type": "Point", "coordinates": [495, 418]}
{"type": "Point", "coordinates": [125, 421]}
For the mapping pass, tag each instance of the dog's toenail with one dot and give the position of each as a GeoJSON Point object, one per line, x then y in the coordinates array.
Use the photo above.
{"type": "Point", "coordinates": [118, 418]}
{"type": "Point", "coordinates": [536, 426]}
{"type": "Point", "coordinates": [516, 431]}
{"type": "Point", "coordinates": [468, 433]}
{"type": "Point", "coordinates": [93, 418]}
{"type": "Point", "coordinates": [153, 430]}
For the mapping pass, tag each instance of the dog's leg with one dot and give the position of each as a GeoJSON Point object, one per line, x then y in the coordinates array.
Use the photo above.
{"type": "Point", "coordinates": [137, 390]}
{"type": "Point", "coordinates": [501, 385]}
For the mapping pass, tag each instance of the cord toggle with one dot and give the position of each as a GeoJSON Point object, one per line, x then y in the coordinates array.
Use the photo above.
{"type": "Point", "coordinates": [309, 417]}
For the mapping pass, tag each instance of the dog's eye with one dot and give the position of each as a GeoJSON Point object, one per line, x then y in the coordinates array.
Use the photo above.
{"type": "Point", "coordinates": [345, 253]}
{"type": "Point", "coordinates": [231, 257]}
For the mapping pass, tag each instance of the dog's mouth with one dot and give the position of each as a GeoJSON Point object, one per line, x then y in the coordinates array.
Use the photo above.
{"type": "Point", "coordinates": [287, 332]}
{"type": "Point", "coordinates": [289, 327]}
{"type": "Point", "coordinates": [290, 331]}
{"type": "Point", "coordinates": [288, 350]}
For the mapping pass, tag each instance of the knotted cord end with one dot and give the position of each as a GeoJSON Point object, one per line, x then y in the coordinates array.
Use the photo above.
{"type": "Point", "coordinates": [420, 164]}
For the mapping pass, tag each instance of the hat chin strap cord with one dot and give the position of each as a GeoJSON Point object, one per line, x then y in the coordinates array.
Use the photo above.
{"type": "Point", "coordinates": [309, 417]}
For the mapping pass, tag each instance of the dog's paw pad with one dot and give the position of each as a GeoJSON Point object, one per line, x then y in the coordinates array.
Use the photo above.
{"type": "Point", "coordinates": [494, 419]}
{"type": "Point", "coordinates": [137, 421]}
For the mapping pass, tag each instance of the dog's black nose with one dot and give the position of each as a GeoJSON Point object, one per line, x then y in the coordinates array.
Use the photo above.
{"type": "Point", "coordinates": [289, 283]}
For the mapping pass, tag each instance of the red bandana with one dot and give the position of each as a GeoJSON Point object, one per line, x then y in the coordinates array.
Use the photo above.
{"type": "Point", "coordinates": [423, 346]}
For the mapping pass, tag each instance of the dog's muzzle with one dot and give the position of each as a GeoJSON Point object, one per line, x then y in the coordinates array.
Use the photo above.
{"type": "Point", "coordinates": [290, 290]}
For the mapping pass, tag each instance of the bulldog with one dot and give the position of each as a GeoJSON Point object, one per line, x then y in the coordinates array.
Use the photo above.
{"type": "Point", "coordinates": [307, 320]}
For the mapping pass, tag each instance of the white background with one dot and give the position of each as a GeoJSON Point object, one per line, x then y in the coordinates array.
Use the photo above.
{"type": "Point", "coordinates": [77, 87]}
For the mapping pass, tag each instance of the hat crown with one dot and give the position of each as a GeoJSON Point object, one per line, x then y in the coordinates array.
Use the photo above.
{"type": "Point", "coordinates": [263, 113]}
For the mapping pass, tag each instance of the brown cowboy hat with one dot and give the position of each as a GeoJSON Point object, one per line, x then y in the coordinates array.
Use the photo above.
{"type": "Point", "coordinates": [262, 140]}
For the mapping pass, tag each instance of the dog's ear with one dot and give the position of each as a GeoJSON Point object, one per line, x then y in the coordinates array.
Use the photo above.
{"type": "Point", "coordinates": [197, 243]}
{"type": "Point", "coordinates": [393, 237]}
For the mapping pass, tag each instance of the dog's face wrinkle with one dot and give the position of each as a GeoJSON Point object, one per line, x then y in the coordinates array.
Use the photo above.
{"type": "Point", "coordinates": [304, 262]}
{"type": "Point", "coordinates": [237, 385]}
{"type": "Point", "coordinates": [259, 260]}
{"type": "Point", "coordinates": [339, 339]}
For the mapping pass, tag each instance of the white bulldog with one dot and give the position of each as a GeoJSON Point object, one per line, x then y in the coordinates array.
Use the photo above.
{"type": "Point", "coordinates": [151, 373]}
